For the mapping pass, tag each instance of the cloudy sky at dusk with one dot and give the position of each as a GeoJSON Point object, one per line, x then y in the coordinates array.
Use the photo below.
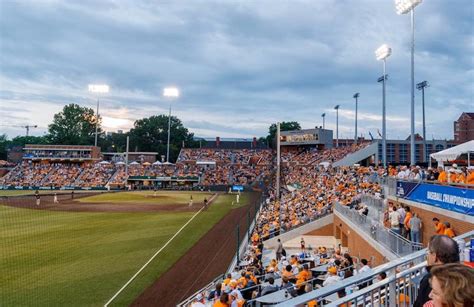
{"type": "Point", "coordinates": [240, 65]}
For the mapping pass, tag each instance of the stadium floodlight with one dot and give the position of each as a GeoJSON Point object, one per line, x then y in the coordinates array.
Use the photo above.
{"type": "Point", "coordinates": [405, 6]}
{"type": "Point", "coordinates": [421, 86]}
{"type": "Point", "coordinates": [356, 96]}
{"type": "Point", "coordinates": [324, 122]}
{"type": "Point", "coordinates": [337, 125]}
{"type": "Point", "coordinates": [382, 53]}
{"type": "Point", "coordinates": [170, 92]}
{"type": "Point", "coordinates": [98, 89]}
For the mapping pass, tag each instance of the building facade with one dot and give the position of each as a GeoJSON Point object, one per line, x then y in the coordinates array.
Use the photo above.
{"type": "Point", "coordinates": [464, 128]}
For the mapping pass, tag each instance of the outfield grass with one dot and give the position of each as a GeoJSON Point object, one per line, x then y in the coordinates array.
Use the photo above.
{"type": "Point", "coordinates": [81, 259]}
{"type": "Point", "coordinates": [147, 197]}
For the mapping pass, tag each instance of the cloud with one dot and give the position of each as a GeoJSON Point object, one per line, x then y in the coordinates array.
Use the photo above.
{"type": "Point", "coordinates": [240, 65]}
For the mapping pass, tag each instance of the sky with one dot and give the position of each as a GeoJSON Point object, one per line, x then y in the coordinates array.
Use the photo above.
{"type": "Point", "coordinates": [240, 65]}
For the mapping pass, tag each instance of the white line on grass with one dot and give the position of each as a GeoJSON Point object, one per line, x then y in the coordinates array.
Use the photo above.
{"type": "Point", "coordinates": [151, 259]}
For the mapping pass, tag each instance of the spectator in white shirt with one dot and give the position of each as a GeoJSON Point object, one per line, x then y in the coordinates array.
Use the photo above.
{"type": "Point", "coordinates": [394, 218]}
{"type": "Point", "coordinates": [199, 302]}
{"type": "Point", "coordinates": [365, 266]}
{"type": "Point", "coordinates": [332, 277]}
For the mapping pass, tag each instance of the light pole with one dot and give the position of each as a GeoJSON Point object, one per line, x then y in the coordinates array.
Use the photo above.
{"type": "Point", "coordinates": [337, 125]}
{"type": "Point", "coordinates": [356, 95]}
{"type": "Point", "coordinates": [403, 7]}
{"type": "Point", "coordinates": [171, 92]}
{"type": "Point", "coordinates": [382, 53]}
{"type": "Point", "coordinates": [27, 127]}
{"type": "Point", "coordinates": [421, 86]}
{"type": "Point", "coordinates": [98, 89]}
{"type": "Point", "coordinates": [324, 122]}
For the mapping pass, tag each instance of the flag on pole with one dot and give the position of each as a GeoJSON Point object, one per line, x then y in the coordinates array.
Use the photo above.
{"type": "Point", "coordinates": [378, 131]}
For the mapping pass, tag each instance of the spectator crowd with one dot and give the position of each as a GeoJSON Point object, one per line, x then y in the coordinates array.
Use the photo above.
{"type": "Point", "coordinates": [451, 175]}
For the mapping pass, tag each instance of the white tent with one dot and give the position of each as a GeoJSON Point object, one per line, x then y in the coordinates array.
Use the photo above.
{"type": "Point", "coordinates": [205, 162]}
{"type": "Point", "coordinates": [157, 163]}
{"type": "Point", "coordinates": [120, 163]}
{"type": "Point", "coordinates": [104, 162]}
{"type": "Point", "coordinates": [325, 164]}
{"type": "Point", "coordinates": [455, 152]}
{"type": "Point", "coordinates": [134, 163]}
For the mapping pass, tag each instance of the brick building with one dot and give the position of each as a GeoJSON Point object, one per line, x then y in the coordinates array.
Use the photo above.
{"type": "Point", "coordinates": [464, 128]}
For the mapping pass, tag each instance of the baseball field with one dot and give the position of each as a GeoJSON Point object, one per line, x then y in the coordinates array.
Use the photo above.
{"type": "Point", "coordinates": [81, 251]}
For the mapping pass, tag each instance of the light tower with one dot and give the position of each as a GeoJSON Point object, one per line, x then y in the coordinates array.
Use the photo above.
{"type": "Point", "coordinates": [382, 53]}
{"type": "Point", "coordinates": [356, 96]}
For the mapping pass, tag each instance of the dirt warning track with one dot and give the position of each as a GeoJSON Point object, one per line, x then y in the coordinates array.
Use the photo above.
{"type": "Point", "coordinates": [207, 259]}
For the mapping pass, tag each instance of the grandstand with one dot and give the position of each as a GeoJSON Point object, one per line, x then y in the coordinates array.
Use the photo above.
{"type": "Point", "coordinates": [343, 215]}
{"type": "Point", "coordinates": [334, 221]}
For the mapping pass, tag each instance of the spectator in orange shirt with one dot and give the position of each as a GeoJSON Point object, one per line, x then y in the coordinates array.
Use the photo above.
{"type": "Point", "coordinates": [442, 177]}
{"type": "Point", "coordinates": [439, 227]}
{"type": "Point", "coordinates": [470, 175]}
{"type": "Point", "coordinates": [242, 281]}
{"type": "Point", "coordinates": [223, 301]}
{"type": "Point", "coordinates": [452, 175]}
{"type": "Point", "coordinates": [226, 281]}
{"type": "Point", "coordinates": [406, 222]}
{"type": "Point", "coordinates": [448, 231]}
{"type": "Point", "coordinates": [287, 272]}
{"type": "Point", "coordinates": [460, 177]}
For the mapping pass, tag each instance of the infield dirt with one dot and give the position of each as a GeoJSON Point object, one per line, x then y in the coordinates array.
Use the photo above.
{"type": "Point", "coordinates": [66, 203]}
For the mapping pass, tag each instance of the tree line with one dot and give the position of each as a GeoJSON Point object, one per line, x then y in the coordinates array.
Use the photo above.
{"type": "Point", "coordinates": [75, 125]}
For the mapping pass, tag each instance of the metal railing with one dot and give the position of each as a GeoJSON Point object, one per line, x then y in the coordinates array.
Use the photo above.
{"type": "Point", "coordinates": [373, 202]}
{"type": "Point", "coordinates": [390, 184]}
{"type": "Point", "coordinates": [377, 231]}
{"type": "Point", "coordinates": [260, 287]}
{"type": "Point", "coordinates": [399, 288]}
{"type": "Point", "coordinates": [325, 212]}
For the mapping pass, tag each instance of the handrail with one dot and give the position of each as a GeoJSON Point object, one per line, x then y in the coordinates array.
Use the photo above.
{"type": "Point", "coordinates": [205, 288]}
{"type": "Point", "coordinates": [379, 284]}
{"type": "Point", "coordinates": [327, 211]}
{"type": "Point", "coordinates": [403, 261]}
{"type": "Point", "coordinates": [398, 245]}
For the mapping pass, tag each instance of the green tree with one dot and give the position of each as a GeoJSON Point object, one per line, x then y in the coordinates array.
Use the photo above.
{"type": "Point", "coordinates": [114, 142]}
{"type": "Point", "coordinates": [284, 126]}
{"type": "Point", "coordinates": [151, 134]}
{"type": "Point", "coordinates": [4, 143]}
{"type": "Point", "coordinates": [74, 125]}
{"type": "Point", "coordinates": [23, 140]}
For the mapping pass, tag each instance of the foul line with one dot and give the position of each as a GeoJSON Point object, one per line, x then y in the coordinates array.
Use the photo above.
{"type": "Point", "coordinates": [151, 259]}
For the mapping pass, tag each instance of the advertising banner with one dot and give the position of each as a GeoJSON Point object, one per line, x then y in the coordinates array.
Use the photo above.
{"type": "Point", "coordinates": [238, 188]}
{"type": "Point", "coordinates": [445, 197]}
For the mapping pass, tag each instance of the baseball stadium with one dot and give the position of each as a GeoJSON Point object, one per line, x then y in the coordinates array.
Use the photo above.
{"type": "Point", "coordinates": [114, 201]}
